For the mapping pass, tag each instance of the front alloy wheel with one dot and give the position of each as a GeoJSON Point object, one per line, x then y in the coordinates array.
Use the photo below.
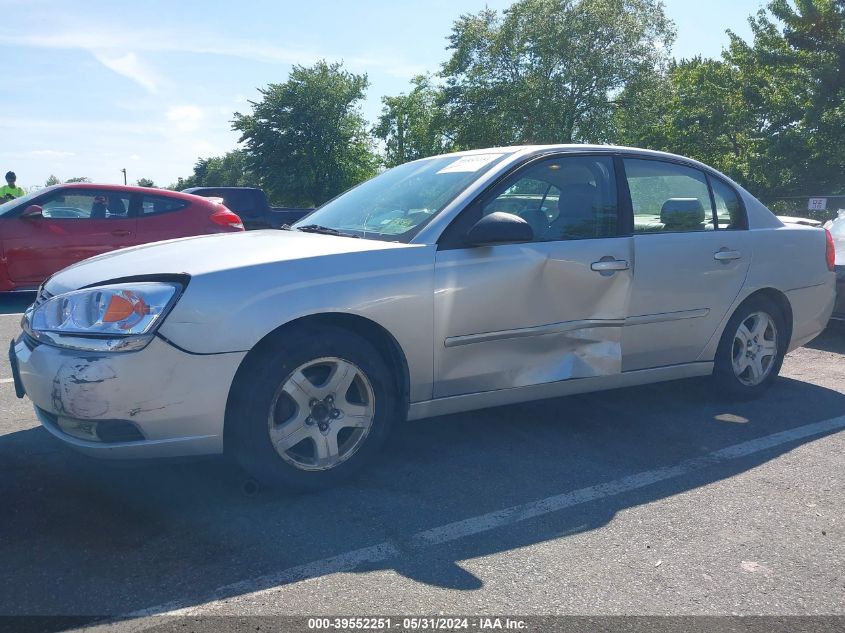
{"type": "Point", "coordinates": [310, 407]}
{"type": "Point", "coordinates": [321, 414]}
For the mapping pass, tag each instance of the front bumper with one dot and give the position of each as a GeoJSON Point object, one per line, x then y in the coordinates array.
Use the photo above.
{"type": "Point", "coordinates": [156, 402]}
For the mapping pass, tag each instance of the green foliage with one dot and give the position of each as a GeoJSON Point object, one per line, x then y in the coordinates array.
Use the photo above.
{"type": "Point", "coordinates": [145, 182]}
{"type": "Point", "coordinates": [78, 179]}
{"type": "Point", "coordinates": [52, 180]}
{"type": "Point", "coordinates": [412, 126]}
{"type": "Point", "coordinates": [547, 71]}
{"type": "Point", "coordinates": [696, 108]}
{"type": "Point", "coordinates": [306, 139]}
{"type": "Point", "coordinates": [770, 113]}
{"type": "Point", "coordinates": [229, 170]}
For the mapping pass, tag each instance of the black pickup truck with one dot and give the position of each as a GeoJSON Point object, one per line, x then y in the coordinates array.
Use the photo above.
{"type": "Point", "coordinates": [251, 205]}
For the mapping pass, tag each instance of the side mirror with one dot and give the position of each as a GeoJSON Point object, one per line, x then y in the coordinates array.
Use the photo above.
{"type": "Point", "coordinates": [499, 228]}
{"type": "Point", "coordinates": [32, 211]}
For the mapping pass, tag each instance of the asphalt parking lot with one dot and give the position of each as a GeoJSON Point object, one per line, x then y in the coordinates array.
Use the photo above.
{"type": "Point", "coordinates": [654, 500]}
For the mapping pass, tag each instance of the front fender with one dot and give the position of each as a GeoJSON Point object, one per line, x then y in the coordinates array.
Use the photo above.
{"type": "Point", "coordinates": [233, 310]}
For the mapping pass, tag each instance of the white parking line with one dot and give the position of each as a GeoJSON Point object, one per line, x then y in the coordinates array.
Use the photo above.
{"type": "Point", "coordinates": [386, 550]}
{"type": "Point", "coordinates": [3, 381]}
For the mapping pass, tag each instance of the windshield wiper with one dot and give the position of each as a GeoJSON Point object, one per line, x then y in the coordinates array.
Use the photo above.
{"type": "Point", "coordinates": [324, 230]}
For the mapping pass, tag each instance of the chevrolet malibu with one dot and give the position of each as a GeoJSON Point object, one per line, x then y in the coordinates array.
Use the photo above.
{"type": "Point", "coordinates": [446, 284]}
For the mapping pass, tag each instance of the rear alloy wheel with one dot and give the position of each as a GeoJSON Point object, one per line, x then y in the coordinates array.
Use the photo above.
{"type": "Point", "coordinates": [310, 408]}
{"type": "Point", "coordinates": [751, 350]}
{"type": "Point", "coordinates": [755, 349]}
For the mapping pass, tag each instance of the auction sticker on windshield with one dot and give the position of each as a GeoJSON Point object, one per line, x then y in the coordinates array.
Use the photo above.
{"type": "Point", "coordinates": [470, 163]}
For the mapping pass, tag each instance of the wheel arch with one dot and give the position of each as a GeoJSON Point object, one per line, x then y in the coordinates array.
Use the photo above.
{"type": "Point", "coordinates": [774, 295]}
{"type": "Point", "coordinates": [778, 297]}
{"type": "Point", "coordinates": [384, 342]}
{"type": "Point", "coordinates": [780, 300]}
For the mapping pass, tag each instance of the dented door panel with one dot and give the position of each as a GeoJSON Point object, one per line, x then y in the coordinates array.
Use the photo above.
{"type": "Point", "coordinates": [523, 314]}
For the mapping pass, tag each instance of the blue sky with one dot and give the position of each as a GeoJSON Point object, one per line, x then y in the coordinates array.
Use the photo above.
{"type": "Point", "coordinates": [90, 87]}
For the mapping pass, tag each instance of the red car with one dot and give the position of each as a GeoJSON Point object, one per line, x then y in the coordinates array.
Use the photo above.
{"type": "Point", "coordinates": [50, 229]}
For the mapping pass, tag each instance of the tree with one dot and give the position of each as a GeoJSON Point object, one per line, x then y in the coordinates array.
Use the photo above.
{"type": "Point", "coordinates": [78, 179]}
{"type": "Point", "coordinates": [769, 113]}
{"type": "Point", "coordinates": [797, 77]}
{"type": "Point", "coordinates": [696, 108]}
{"type": "Point", "coordinates": [548, 70]}
{"type": "Point", "coordinates": [412, 125]}
{"type": "Point", "coordinates": [229, 170]}
{"type": "Point", "coordinates": [306, 139]}
{"type": "Point", "coordinates": [52, 180]}
{"type": "Point", "coordinates": [145, 182]}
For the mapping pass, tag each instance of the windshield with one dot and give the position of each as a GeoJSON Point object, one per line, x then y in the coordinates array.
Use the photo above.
{"type": "Point", "coordinates": [395, 205]}
{"type": "Point", "coordinates": [6, 207]}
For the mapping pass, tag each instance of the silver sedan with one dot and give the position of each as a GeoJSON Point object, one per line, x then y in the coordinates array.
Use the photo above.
{"type": "Point", "coordinates": [446, 284]}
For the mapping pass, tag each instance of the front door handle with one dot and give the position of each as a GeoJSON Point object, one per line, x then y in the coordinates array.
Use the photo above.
{"type": "Point", "coordinates": [609, 265]}
{"type": "Point", "coordinates": [121, 232]}
{"type": "Point", "coordinates": [726, 256]}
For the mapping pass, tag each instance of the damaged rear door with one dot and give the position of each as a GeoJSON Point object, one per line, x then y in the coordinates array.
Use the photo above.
{"type": "Point", "coordinates": [514, 315]}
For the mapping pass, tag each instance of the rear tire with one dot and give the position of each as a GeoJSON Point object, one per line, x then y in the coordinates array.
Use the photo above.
{"type": "Point", "coordinates": [751, 350]}
{"type": "Point", "coordinates": [311, 409]}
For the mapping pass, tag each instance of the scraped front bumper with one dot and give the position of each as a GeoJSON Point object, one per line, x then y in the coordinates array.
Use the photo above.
{"type": "Point", "coordinates": [156, 402]}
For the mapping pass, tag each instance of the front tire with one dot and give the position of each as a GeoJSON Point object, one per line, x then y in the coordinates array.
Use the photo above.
{"type": "Point", "coordinates": [751, 350]}
{"type": "Point", "coordinates": [312, 408]}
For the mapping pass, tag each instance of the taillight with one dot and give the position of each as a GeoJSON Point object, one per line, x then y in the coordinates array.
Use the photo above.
{"type": "Point", "coordinates": [227, 218]}
{"type": "Point", "coordinates": [830, 251]}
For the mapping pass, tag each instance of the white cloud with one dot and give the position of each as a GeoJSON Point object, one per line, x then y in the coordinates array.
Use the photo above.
{"type": "Point", "coordinates": [186, 118]}
{"type": "Point", "coordinates": [130, 67]}
{"type": "Point", "coordinates": [112, 37]}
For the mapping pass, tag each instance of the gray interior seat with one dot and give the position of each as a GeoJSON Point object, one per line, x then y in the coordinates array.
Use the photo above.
{"type": "Point", "coordinates": [682, 214]}
{"type": "Point", "coordinates": [576, 212]}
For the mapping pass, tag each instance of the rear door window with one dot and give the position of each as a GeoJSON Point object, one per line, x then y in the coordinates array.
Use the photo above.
{"type": "Point", "coordinates": [154, 205]}
{"type": "Point", "coordinates": [667, 197]}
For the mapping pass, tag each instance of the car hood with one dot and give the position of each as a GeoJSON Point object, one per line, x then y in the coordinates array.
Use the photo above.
{"type": "Point", "coordinates": [202, 255]}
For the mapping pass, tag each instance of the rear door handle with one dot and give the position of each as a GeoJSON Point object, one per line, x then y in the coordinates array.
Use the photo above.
{"type": "Point", "coordinates": [121, 232]}
{"type": "Point", "coordinates": [726, 256]}
{"type": "Point", "coordinates": [606, 265]}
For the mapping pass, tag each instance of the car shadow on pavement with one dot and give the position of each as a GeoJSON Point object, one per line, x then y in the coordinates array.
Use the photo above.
{"type": "Point", "coordinates": [81, 537]}
{"type": "Point", "coordinates": [832, 339]}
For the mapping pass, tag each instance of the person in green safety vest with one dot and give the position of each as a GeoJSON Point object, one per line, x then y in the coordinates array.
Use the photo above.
{"type": "Point", "coordinates": [10, 191]}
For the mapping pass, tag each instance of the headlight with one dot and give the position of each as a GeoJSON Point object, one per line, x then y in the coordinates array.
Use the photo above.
{"type": "Point", "coordinates": [115, 318]}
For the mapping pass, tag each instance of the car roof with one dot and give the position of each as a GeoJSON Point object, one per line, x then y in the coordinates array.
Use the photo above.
{"type": "Point", "coordinates": [522, 152]}
{"type": "Point", "coordinates": [578, 147]}
{"type": "Point", "coordinates": [150, 191]}
{"type": "Point", "coordinates": [210, 188]}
